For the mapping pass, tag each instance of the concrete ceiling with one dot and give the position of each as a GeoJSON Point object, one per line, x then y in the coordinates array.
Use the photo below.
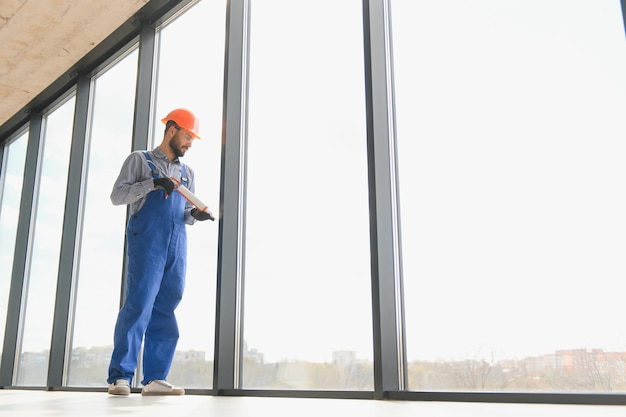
{"type": "Point", "coordinates": [41, 40]}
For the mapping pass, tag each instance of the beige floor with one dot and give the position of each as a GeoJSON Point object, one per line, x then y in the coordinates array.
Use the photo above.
{"type": "Point", "coordinates": [22, 403]}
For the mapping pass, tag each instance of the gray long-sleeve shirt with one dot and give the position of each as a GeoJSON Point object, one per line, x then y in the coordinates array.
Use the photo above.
{"type": "Point", "coordinates": [135, 180]}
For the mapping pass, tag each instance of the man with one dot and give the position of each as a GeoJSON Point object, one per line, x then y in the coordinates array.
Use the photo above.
{"type": "Point", "coordinates": [156, 247]}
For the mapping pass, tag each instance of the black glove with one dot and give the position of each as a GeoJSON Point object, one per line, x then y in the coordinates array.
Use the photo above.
{"type": "Point", "coordinates": [166, 183]}
{"type": "Point", "coordinates": [201, 215]}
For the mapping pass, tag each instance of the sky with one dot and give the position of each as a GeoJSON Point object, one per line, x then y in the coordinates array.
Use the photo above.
{"type": "Point", "coordinates": [510, 138]}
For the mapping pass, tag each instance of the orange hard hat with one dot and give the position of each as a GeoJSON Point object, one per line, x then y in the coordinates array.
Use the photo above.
{"type": "Point", "coordinates": [185, 119]}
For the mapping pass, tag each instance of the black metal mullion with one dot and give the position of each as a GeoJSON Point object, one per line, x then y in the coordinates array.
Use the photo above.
{"type": "Point", "coordinates": [144, 93]}
{"type": "Point", "coordinates": [69, 241]}
{"type": "Point", "coordinates": [388, 312]}
{"type": "Point", "coordinates": [228, 326]}
{"type": "Point", "coordinates": [21, 253]}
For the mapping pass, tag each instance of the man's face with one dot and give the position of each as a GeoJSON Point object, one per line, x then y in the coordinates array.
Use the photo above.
{"type": "Point", "coordinates": [181, 142]}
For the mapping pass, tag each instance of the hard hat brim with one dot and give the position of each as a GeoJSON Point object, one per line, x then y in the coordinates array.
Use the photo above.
{"type": "Point", "coordinates": [193, 134]}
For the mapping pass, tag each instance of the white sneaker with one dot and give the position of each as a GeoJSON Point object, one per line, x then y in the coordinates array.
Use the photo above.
{"type": "Point", "coordinates": [161, 387]}
{"type": "Point", "coordinates": [119, 387]}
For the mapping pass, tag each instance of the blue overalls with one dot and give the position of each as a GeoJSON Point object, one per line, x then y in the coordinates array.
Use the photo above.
{"type": "Point", "coordinates": [157, 246]}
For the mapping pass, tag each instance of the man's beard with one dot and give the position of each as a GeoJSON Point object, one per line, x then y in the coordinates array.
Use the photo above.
{"type": "Point", "coordinates": [178, 151]}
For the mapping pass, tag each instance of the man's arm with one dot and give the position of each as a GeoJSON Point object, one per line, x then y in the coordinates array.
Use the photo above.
{"type": "Point", "coordinates": [133, 182]}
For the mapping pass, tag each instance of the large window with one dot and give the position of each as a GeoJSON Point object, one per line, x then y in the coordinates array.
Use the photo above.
{"type": "Point", "coordinates": [11, 180]}
{"type": "Point", "coordinates": [307, 308]}
{"type": "Point", "coordinates": [101, 251]}
{"type": "Point", "coordinates": [190, 75]}
{"type": "Point", "coordinates": [41, 275]}
{"type": "Point", "coordinates": [511, 146]}
{"type": "Point", "coordinates": [508, 118]}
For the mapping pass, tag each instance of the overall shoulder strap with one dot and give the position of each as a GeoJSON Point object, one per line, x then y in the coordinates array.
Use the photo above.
{"type": "Point", "coordinates": [183, 175]}
{"type": "Point", "coordinates": [155, 172]}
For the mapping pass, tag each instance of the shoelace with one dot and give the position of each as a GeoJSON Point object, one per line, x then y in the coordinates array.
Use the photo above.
{"type": "Point", "coordinates": [164, 383]}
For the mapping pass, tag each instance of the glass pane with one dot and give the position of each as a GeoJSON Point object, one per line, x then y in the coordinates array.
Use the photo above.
{"type": "Point", "coordinates": [511, 150]}
{"type": "Point", "coordinates": [308, 322]}
{"type": "Point", "coordinates": [195, 41]}
{"type": "Point", "coordinates": [41, 281]}
{"type": "Point", "coordinates": [11, 193]}
{"type": "Point", "coordinates": [99, 283]}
